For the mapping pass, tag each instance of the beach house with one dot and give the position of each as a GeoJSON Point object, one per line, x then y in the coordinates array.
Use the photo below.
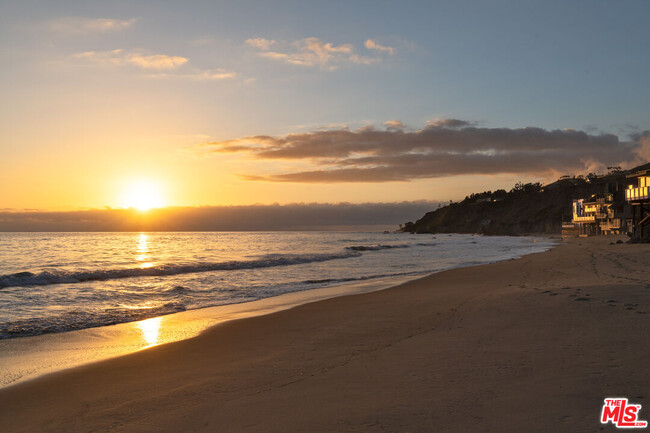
{"type": "Point", "coordinates": [596, 216]}
{"type": "Point", "coordinates": [637, 195]}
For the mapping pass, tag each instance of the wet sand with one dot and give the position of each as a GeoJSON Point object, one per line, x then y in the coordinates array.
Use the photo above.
{"type": "Point", "coordinates": [533, 344]}
{"type": "Point", "coordinates": [27, 358]}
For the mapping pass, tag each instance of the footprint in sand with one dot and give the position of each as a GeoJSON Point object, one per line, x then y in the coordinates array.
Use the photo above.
{"type": "Point", "coordinates": [582, 299]}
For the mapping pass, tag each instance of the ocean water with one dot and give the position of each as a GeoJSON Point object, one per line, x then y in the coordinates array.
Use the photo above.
{"type": "Point", "coordinates": [57, 282]}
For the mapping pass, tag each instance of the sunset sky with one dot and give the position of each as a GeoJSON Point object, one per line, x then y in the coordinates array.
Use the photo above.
{"type": "Point", "coordinates": [242, 102]}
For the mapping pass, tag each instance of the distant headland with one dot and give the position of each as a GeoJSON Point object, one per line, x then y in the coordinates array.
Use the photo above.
{"type": "Point", "coordinates": [526, 208]}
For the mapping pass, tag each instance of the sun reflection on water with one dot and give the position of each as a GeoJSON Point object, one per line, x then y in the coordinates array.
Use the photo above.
{"type": "Point", "coordinates": [142, 251]}
{"type": "Point", "coordinates": [150, 330]}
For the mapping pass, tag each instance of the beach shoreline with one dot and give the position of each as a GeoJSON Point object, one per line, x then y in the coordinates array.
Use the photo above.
{"type": "Point", "coordinates": [531, 344]}
{"type": "Point", "coordinates": [28, 358]}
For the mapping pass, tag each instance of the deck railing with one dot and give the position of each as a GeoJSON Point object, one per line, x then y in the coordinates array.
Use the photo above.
{"type": "Point", "coordinates": [611, 225]}
{"type": "Point", "coordinates": [642, 193]}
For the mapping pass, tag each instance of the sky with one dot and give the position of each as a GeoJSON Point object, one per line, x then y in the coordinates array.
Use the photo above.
{"type": "Point", "coordinates": [233, 103]}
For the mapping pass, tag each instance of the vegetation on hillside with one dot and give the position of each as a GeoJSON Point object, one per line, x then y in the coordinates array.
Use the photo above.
{"type": "Point", "coordinates": [526, 208]}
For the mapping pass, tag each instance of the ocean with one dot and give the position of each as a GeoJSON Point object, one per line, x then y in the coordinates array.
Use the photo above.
{"type": "Point", "coordinates": [58, 282]}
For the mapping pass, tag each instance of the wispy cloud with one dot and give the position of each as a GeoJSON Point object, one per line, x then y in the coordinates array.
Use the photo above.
{"type": "Point", "coordinates": [157, 65]}
{"type": "Point", "coordinates": [199, 74]}
{"type": "Point", "coordinates": [90, 25]}
{"type": "Point", "coordinates": [144, 61]}
{"type": "Point", "coordinates": [312, 52]}
{"type": "Point", "coordinates": [372, 45]}
{"type": "Point", "coordinates": [213, 74]}
{"type": "Point", "coordinates": [260, 43]}
{"type": "Point", "coordinates": [155, 61]}
{"type": "Point", "coordinates": [445, 147]}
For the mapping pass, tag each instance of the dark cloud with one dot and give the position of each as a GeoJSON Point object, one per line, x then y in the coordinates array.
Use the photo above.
{"type": "Point", "coordinates": [640, 136]}
{"type": "Point", "coordinates": [445, 147]}
{"type": "Point", "coordinates": [450, 123]}
{"type": "Point", "coordinates": [314, 216]}
{"type": "Point", "coordinates": [643, 139]}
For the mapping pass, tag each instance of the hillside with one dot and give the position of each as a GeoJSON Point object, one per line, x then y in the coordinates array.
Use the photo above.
{"type": "Point", "coordinates": [526, 208]}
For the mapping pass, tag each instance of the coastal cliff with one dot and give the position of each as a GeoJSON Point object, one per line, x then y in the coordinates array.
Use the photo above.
{"type": "Point", "coordinates": [526, 208]}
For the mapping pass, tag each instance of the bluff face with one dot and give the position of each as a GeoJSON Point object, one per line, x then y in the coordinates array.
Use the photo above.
{"type": "Point", "coordinates": [527, 208]}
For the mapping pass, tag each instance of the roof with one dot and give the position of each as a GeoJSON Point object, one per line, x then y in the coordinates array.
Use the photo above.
{"type": "Point", "coordinates": [638, 174]}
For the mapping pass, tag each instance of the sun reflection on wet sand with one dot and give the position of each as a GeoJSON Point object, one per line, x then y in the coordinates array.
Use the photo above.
{"type": "Point", "coordinates": [150, 329]}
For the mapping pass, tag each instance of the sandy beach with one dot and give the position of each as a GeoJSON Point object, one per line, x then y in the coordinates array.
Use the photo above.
{"type": "Point", "coordinates": [533, 344]}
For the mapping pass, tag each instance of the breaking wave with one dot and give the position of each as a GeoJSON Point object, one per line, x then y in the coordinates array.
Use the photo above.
{"type": "Point", "coordinates": [374, 247]}
{"type": "Point", "coordinates": [74, 320]}
{"type": "Point", "coordinates": [77, 276]}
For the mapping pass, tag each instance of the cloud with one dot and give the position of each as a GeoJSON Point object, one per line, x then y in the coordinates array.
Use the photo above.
{"type": "Point", "coordinates": [114, 57]}
{"type": "Point", "coordinates": [159, 65]}
{"type": "Point", "coordinates": [260, 43]}
{"type": "Point", "coordinates": [450, 123]}
{"type": "Point", "coordinates": [372, 45]}
{"type": "Point", "coordinates": [155, 61]}
{"type": "Point", "coordinates": [311, 216]}
{"type": "Point", "coordinates": [213, 74]}
{"type": "Point", "coordinates": [90, 25]}
{"type": "Point", "coordinates": [198, 75]}
{"type": "Point", "coordinates": [144, 61]}
{"type": "Point", "coordinates": [394, 124]}
{"type": "Point", "coordinates": [644, 146]}
{"type": "Point", "coordinates": [445, 147]}
{"type": "Point", "coordinates": [311, 52]}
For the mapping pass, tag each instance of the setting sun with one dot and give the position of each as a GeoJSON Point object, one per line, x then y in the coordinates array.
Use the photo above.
{"type": "Point", "coordinates": [142, 195]}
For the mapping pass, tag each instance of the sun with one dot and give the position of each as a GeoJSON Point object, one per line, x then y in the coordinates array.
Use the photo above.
{"type": "Point", "coordinates": [142, 195]}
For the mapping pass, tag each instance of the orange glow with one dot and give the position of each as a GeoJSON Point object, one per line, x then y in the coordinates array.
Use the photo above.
{"type": "Point", "coordinates": [142, 195]}
{"type": "Point", "coordinates": [142, 251]}
{"type": "Point", "coordinates": [150, 329]}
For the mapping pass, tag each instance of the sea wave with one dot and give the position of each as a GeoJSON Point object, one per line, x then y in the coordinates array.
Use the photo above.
{"type": "Point", "coordinates": [375, 247]}
{"type": "Point", "coordinates": [84, 319]}
{"type": "Point", "coordinates": [366, 277]}
{"type": "Point", "coordinates": [77, 276]}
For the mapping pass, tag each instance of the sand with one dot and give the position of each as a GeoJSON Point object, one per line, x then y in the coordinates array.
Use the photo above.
{"type": "Point", "coordinates": [533, 344]}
